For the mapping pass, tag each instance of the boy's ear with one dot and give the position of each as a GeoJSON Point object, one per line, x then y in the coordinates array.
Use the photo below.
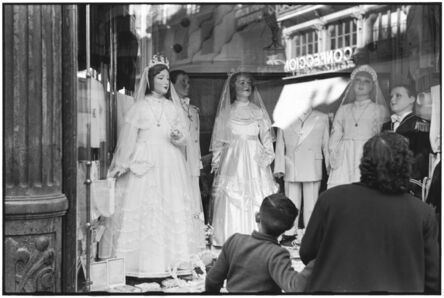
{"type": "Point", "coordinates": [258, 217]}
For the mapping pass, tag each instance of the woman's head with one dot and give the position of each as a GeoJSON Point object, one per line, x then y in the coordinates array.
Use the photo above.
{"type": "Point", "coordinates": [386, 163]}
{"type": "Point", "coordinates": [158, 80]}
{"type": "Point", "coordinates": [241, 85]}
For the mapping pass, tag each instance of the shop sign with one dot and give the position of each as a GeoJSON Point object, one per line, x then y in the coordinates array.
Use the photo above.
{"type": "Point", "coordinates": [332, 60]}
{"type": "Point", "coordinates": [248, 14]}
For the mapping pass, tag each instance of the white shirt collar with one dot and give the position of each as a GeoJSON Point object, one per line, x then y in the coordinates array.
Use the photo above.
{"type": "Point", "coordinates": [403, 115]}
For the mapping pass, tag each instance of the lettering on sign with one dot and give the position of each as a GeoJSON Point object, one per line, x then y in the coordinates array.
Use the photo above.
{"type": "Point", "coordinates": [332, 60]}
{"type": "Point", "coordinates": [249, 14]}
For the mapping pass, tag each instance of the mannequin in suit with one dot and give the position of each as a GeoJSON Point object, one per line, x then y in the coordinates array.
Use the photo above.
{"type": "Point", "coordinates": [300, 149]}
{"type": "Point", "coordinates": [414, 128]}
{"type": "Point", "coordinates": [181, 82]}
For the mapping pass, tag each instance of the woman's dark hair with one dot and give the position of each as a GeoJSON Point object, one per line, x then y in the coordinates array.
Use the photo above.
{"type": "Point", "coordinates": [386, 163]}
{"type": "Point", "coordinates": [152, 72]}
{"type": "Point", "coordinates": [233, 84]}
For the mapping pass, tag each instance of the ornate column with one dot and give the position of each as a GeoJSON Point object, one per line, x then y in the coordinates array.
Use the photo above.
{"type": "Point", "coordinates": [361, 32]}
{"type": "Point", "coordinates": [321, 29]}
{"type": "Point", "coordinates": [34, 203]}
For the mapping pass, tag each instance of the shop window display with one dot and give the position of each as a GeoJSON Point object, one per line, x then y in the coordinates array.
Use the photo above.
{"type": "Point", "coordinates": [209, 42]}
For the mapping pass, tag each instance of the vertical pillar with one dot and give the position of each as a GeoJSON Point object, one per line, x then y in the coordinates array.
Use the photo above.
{"type": "Point", "coordinates": [69, 136]}
{"type": "Point", "coordinates": [34, 203]}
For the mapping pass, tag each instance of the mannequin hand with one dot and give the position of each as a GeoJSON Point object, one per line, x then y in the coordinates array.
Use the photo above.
{"type": "Point", "coordinates": [115, 173]}
{"type": "Point", "coordinates": [279, 175]}
{"type": "Point", "coordinates": [215, 170]}
{"type": "Point", "coordinates": [176, 134]}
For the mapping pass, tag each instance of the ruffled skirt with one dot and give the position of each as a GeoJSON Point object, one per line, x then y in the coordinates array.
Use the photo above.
{"type": "Point", "coordinates": [158, 223]}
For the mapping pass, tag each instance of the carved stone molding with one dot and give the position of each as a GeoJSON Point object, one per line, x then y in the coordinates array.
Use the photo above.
{"type": "Point", "coordinates": [31, 263]}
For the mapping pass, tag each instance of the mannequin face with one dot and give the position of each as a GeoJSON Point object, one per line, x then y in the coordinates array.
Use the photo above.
{"type": "Point", "coordinates": [400, 101]}
{"type": "Point", "coordinates": [182, 85]}
{"type": "Point", "coordinates": [243, 87]}
{"type": "Point", "coordinates": [362, 85]}
{"type": "Point", "coordinates": [162, 82]}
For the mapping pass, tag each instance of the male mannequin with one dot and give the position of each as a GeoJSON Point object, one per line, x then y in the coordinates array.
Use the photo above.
{"type": "Point", "coordinates": [414, 128]}
{"type": "Point", "coordinates": [181, 82]}
{"type": "Point", "coordinates": [300, 149]}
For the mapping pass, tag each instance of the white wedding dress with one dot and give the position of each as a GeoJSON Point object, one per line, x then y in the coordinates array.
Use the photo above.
{"type": "Point", "coordinates": [158, 222]}
{"type": "Point", "coordinates": [244, 178]}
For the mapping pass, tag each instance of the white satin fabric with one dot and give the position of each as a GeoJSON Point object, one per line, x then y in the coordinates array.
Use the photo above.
{"type": "Point", "coordinates": [244, 176]}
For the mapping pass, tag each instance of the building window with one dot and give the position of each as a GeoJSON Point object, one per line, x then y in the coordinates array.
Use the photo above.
{"type": "Point", "coordinates": [306, 43]}
{"type": "Point", "coordinates": [343, 34]}
{"type": "Point", "coordinates": [390, 24]}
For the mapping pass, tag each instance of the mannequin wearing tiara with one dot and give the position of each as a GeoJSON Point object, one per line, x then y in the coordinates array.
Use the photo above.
{"type": "Point", "coordinates": [242, 147]}
{"type": "Point", "coordinates": [362, 112]}
{"type": "Point", "coordinates": [156, 224]}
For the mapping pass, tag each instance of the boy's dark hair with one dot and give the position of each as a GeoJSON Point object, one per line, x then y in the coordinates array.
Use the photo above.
{"type": "Point", "coordinates": [409, 88]}
{"type": "Point", "coordinates": [386, 163]}
{"type": "Point", "coordinates": [277, 213]}
{"type": "Point", "coordinates": [175, 73]}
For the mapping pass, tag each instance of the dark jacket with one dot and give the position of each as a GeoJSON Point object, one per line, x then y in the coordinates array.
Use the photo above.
{"type": "Point", "coordinates": [257, 264]}
{"type": "Point", "coordinates": [364, 241]}
{"type": "Point", "coordinates": [416, 130]}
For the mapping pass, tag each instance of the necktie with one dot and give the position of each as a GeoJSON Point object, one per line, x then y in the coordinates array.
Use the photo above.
{"type": "Point", "coordinates": [396, 118]}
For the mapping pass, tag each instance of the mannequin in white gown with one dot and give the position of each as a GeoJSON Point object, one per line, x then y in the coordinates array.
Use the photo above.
{"type": "Point", "coordinates": [156, 224]}
{"type": "Point", "coordinates": [242, 146]}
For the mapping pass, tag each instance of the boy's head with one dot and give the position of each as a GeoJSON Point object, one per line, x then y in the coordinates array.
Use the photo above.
{"type": "Point", "coordinates": [276, 214]}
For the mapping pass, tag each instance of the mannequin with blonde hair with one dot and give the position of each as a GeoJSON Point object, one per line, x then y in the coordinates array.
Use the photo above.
{"type": "Point", "coordinates": [362, 112]}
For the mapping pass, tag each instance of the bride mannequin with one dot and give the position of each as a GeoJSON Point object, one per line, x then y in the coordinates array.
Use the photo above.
{"type": "Point", "coordinates": [362, 112]}
{"type": "Point", "coordinates": [155, 225]}
{"type": "Point", "coordinates": [242, 146]}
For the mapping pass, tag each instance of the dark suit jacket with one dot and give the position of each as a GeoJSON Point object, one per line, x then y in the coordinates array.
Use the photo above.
{"type": "Point", "coordinates": [416, 130]}
{"type": "Point", "coordinates": [364, 241]}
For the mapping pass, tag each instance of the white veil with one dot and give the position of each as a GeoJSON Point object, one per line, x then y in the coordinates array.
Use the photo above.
{"type": "Point", "coordinates": [377, 96]}
{"type": "Point", "coordinates": [143, 83]}
{"type": "Point", "coordinates": [221, 132]}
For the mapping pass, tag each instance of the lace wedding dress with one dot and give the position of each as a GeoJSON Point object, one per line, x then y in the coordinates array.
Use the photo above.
{"type": "Point", "coordinates": [158, 223]}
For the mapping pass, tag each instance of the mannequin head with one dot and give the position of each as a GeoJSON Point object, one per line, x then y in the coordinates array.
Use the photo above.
{"type": "Point", "coordinates": [402, 99]}
{"type": "Point", "coordinates": [363, 86]}
{"type": "Point", "coordinates": [181, 82]}
{"type": "Point", "coordinates": [241, 86]}
{"type": "Point", "coordinates": [158, 80]}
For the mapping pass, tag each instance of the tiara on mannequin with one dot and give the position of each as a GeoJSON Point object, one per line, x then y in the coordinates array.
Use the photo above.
{"type": "Point", "coordinates": [158, 59]}
{"type": "Point", "coordinates": [365, 68]}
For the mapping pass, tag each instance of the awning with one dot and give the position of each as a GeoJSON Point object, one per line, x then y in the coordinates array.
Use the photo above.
{"type": "Point", "coordinates": [296, 98]}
